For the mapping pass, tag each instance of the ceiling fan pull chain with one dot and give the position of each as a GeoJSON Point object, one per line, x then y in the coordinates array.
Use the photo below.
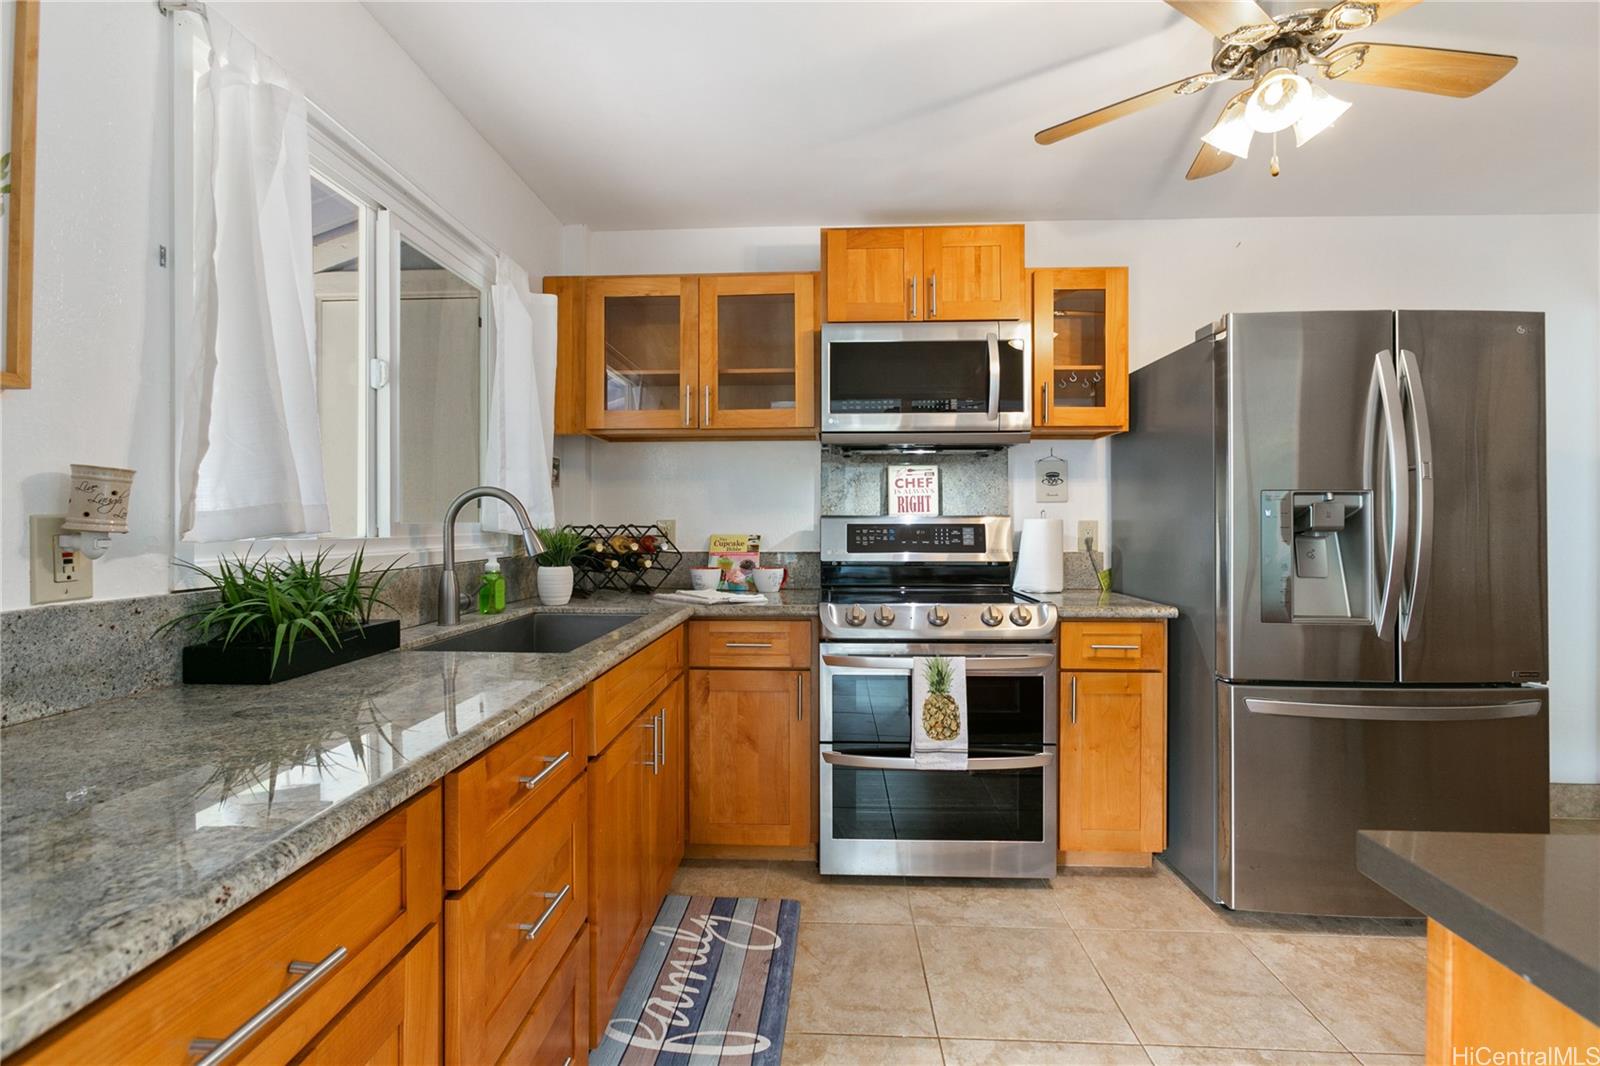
{"type": "Point", "coordinates": [1273, 170]}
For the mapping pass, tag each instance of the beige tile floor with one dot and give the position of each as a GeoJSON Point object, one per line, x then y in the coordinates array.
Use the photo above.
{"type": "Point", "coordinates": [1114, 967]}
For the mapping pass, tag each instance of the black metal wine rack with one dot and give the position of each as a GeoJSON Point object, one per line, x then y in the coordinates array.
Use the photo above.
{"type": "Point", "coordinates": [590, 575]}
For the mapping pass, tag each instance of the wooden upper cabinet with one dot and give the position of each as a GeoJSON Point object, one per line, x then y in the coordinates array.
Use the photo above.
{"type": "Point", "coordinates": [872, 275]}
{"type": "Point", "coordinates": [569, 408]}
{"type": "Point", "coordinates": [974, 272]}
{"type": "Point", "coordinates": [757, 351]}
{"type": "Point", "coordinates": [1080, 351]}
{"type": "Point", "coordinates": [950, 273]}
{"type": "Point", "coordinates": [641, 341]}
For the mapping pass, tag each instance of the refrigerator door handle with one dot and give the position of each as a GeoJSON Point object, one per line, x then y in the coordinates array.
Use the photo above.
{"type": "Point", "coordinates": [1422, 438]}
{"type": "Point", "coordinates": [1384, 395]}
{"type": "Point", "coordinates": [1369, 713]}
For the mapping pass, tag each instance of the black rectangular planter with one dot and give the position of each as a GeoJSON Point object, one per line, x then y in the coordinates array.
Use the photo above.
{"type": "Point", "coordinates": [251, 664]}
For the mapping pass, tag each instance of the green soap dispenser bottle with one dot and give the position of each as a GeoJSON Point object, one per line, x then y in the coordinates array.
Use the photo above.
{"type": "Point", "coordinates": [492, 595]}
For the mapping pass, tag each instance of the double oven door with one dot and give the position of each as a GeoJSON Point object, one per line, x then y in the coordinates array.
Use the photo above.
{"type": "Point", "coordinates": [880, 814]}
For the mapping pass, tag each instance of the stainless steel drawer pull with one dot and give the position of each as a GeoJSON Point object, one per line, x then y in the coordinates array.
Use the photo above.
{"type": "Point", "coordinates": [531, 930]}
{"type": "Point", "coordinates": [554, 761]}
{"type": "Point", "coordinates": [1073, 685]}
{"type": "Point", "coordinates": [216, 1051]}
{"type": "Point", "coordinates": [799, 697]}
{"type": "Point", "coordinates": [747, 644]}
{"type": "Point", "coordinates": [1113, 647]}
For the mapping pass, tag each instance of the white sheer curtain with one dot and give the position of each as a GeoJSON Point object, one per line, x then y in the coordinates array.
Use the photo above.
{"type": "Point", "coordinates": [250, 450]}
{"type": "Point", "coordinates": [521, 400]}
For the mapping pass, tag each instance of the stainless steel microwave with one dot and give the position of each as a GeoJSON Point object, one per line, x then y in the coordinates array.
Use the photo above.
{"type": "Point", "coordinates": [926, 383]}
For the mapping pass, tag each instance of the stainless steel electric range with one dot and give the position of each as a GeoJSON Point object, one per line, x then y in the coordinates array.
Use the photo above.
{"type": "Point", "coordinates": [895, 589]}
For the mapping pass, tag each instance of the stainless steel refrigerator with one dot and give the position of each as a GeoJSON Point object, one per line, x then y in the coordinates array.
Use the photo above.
{"type": "Point", "coordinates": [1349, 510]}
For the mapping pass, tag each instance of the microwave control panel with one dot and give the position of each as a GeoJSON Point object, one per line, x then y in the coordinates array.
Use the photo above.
{"type": "Point", "coordinates": [918, 405]}
{"type": "Point", "coordinates": [890, 537]}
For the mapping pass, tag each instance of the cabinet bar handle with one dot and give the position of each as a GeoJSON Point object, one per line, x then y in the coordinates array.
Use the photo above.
{"type": "Point", "coordinates": [688, 401]}
{"type": "Point", "coordinates": [705, 408]}
{"type": "Point", "coordinates": [215, 1051]}
{"type": "Point", "coordinates": [746, 644]}
{"type": "Point", "coordinates": [911, 283]}
{"type": "Point", "coordinates": [531, 929]}
{"type": "Point", "coordinates": [799, 697]}
{"type": "Point", "coordinates": [1044, 402]}
{"type": "Point", "coordinates": [933, 295]}
{"type": "Point", "coordinates": [554, 763]}
{"type": "Point", "coordinates": [661, 738]}
{"type": "Point", "coordinates": [1072, 686]}
{"type": "Point", "coordinates": [1113, 647]}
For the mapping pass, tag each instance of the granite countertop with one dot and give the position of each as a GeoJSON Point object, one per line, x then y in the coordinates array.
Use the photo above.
{"type": "Point", "coordinates": [129, 826]}
{"type": "Point", "coordinates": [1530, 901]}
{"type": "Point", "coordinates": [1092, 603]}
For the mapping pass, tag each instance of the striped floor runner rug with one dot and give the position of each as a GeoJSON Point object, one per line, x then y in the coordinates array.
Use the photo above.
{"type": "Point", "coordinates": [711, 986]}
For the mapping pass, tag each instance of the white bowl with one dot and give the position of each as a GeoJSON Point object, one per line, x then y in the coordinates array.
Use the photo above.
{"type": "Point", "coordinates": [769, 578]}
{"type": "Point", "coordinates": [704, 577]}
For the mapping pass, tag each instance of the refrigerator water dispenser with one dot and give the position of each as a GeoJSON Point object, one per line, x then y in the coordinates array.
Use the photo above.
{"type": "Point", "coordinates": [1316, 557]}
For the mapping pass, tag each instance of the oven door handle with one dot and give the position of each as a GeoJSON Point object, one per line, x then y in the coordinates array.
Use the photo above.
{"type": "Point", "coordinates": [976, 664]}
{"type": "Point", "coordinates": [895, 762]}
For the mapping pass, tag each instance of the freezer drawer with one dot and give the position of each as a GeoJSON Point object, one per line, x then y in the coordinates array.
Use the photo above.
{"type": "Point", "coordinates": [1305, 768]}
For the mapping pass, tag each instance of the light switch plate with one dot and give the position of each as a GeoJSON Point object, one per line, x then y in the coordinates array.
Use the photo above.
{"type": "Point", "coordinates": [669, 526]}
{"type": "Point", "coordinates": [55, 577]}
{"type": "Point", "coordinates": [1089, 529]}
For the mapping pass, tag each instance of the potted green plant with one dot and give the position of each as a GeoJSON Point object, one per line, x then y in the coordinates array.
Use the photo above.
{"type": "Point", "coordinates": [554, 576]}
{"type": "Point", "coordinates": [276, 619]}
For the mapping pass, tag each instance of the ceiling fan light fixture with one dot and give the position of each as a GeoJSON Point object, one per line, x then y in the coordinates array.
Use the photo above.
{"type": "Point", "coordinates": [1323, 111]}
{"type": "Point", "coordinates": [1280, 97]}
{"type": "Point", "coordinates": [1233, 132]}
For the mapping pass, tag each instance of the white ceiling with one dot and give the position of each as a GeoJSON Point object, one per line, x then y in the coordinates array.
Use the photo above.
{"type": "Point", "coordinates": [665, 115]}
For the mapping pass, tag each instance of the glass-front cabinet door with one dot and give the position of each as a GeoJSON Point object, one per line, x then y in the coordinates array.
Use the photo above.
{"type": "Point", "coordinates": [1080, 351]}
{"type": "Point", "coordinates": [642, 344]}
{"type": "Point", "coordinates": [757, 351]}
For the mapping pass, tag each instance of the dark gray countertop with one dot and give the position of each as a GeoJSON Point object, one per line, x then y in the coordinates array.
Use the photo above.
{"type": "Point", "coordinates": [1529, 901]}
{"type": "Point", "coordinates": [129, 826]}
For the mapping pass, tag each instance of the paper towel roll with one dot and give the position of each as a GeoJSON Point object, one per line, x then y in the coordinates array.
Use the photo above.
{"type": "Point", "coordinates": [1040, 564]}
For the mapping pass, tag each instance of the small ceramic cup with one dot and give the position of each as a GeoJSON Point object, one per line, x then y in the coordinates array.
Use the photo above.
{"type": "Point", "coordinates": [769, 578]}
{"type": "Point", "coordinates": [704, 577]}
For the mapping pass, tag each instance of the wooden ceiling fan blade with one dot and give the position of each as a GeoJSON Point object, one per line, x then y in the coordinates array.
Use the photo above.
{"type": "Point", "coordinates": [1222, 17]}
{"type": "Point", "coordinates": [1209, 161]}
{"type": "Point", "coordinates": [1443, 71]}
{"type": "Point", "coordinates": [1062, 130]}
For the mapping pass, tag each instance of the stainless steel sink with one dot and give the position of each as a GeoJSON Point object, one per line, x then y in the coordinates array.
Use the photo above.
{"type": "Point", "coordinates": [555, 632]}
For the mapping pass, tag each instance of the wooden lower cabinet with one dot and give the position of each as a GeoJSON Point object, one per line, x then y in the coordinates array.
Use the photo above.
{"type": "Point", "coordinates": [557, 1029]}
{"type": "Point", "coordinates": [665, 792]}
{"type": "Point", "coordinates": [1476, 1003]}
{"type": "Point", "coordinates": [750, 757]}
{"type": "Point", "coordinates": [1113, 748]}
{"type": "Point", "coordinates": [619, 842]}
{"type": "Point", "coordinates": [393, 1022]}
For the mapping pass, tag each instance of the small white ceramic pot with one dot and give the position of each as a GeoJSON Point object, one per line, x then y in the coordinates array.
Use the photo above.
{"type": "Point", "coordinates": [554, 584]}
{"type": "Point", "coordinates": [769, 578]}
{"type": "Point", "coordinates": [704, 577]}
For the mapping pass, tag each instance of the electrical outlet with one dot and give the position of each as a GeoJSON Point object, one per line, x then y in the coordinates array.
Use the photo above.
{"type": "Point", "coordinates": [669, 526]}
{"type": "Point", "coordinates": [1089, 532]}
{"type": "Point", "coordinates": [56, 575]}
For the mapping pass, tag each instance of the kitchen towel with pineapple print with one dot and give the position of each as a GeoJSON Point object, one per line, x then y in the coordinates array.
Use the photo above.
{"type": "Point", "coordinates": [939, 712]}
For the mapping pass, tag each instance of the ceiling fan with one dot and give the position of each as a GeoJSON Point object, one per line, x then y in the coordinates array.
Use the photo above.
{"type": "Point", "coordinates": [1267, 51]}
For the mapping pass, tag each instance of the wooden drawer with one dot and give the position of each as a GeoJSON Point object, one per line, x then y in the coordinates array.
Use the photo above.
{"type": "Point", "coordinates": [370, 896]}
{"type": "Point", "coordinates": [395, 1021]}
{"type": "Point", "coordinates": [621, 693]}
{"type": "Point", "coordinates": [750, 644]}
{"type": "Point", "coordinates": [538, 887]}
{"type": "Point", "coordinates": [557, 1029]}
{"type": "Point", "coordinates": [1113, 645]}
{"type": "Point", "coordinates": [488, 801]}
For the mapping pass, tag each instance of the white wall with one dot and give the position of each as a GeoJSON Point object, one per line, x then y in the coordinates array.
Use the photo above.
{"type": "Point", "coordinates": [1184, 273]}
{"type": "Point", "coordinates": [102, 355]}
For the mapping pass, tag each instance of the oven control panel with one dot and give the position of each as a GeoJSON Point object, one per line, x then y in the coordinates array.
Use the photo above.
{"type": "Point", "coordinates": [912, 620]}
{"type": "Point", "coordinates": [869, 537]}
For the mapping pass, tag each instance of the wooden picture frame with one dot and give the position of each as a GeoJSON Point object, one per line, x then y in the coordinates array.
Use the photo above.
{"type": "Point", "coordinates": [18, 370]}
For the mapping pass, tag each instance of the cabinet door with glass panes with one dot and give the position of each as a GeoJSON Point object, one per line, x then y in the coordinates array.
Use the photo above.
{"type": "Point", "coordinates": [1080, 351]}
{"type": "Point", "coordinates": [642, 346]}
{"type": "Point", "coordinates": [757, 351]}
